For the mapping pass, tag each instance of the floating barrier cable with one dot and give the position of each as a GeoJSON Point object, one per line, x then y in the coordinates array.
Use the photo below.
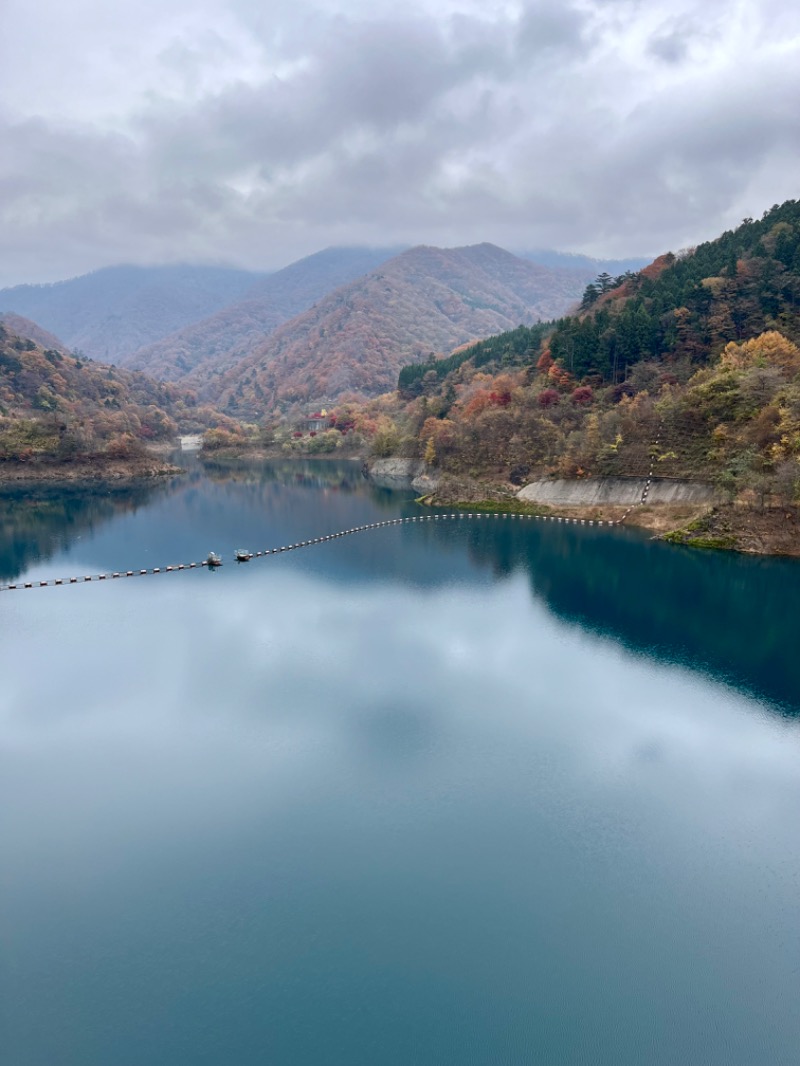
{"type": "Point", "coordinates": [459, 515]}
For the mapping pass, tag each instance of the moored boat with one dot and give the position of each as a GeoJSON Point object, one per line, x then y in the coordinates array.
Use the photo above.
{"type": "Point", "coordinates": [242, 555]}
{"type": "Point", "coordinates": [212, 559]}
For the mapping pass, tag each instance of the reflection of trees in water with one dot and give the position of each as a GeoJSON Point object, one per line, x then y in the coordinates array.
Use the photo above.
{"type": "Point", "coordinates": [319, 473]}
{"type": "Point", "coordinates": [38, 521]}
{"type": "Point", "coordinates": [329, 475]}
{"type": "Point", "coordinates": [713, 611]}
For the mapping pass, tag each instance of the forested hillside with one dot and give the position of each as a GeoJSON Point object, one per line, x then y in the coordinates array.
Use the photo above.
{"type": "Point", "coordinates": [214, 344]}
{"type": "Point", "coordinates": [422, 301]}
{"type": "Point", "coordinates": [729, 289]}
{"type": "Point", "coordinates": [31, 331]}
{"type": "Point", "coordinates": [59, 406]}
{"type": "Point", "coordinates": [699, 352]}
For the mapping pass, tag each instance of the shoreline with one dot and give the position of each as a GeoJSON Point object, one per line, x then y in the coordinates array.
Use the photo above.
{"type": "Point", "coordinates": [721, 526]}
{"type": "Point", "coordinates": [767, 531]}
{"type": "Point", "coordinates": [773, 531]}
{"type": "Point", "coordinates": [153, 464]}
{"type": "Point", "coordinates": [96, 468]}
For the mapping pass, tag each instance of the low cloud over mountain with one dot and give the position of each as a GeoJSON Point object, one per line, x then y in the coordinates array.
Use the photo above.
{"type": "Point", "coordinates": [218, 130]}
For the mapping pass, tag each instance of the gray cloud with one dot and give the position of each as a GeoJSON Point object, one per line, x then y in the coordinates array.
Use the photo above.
{"type": "Point", "coordinates": [671, 46]}
{"type": "Point", "coordinates": [553, 26]}
{"type": "Point", "coordinates": [211, 132]}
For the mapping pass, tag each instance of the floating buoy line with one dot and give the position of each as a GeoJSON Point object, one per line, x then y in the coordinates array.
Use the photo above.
{"type": "Point", "coordinates": [213, 560]}
{"type": "Point", "coordinates": [307, 544]}
{"type": "Point", "coordinates": [211, 564]}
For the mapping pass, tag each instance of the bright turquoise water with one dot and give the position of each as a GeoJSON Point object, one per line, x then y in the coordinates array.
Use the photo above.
{"type": "Point", "coordinates": [442, 794]}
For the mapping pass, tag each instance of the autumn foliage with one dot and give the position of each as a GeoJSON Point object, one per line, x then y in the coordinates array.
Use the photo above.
{"type": "Point", "coordinates": [582, 396]}
{"type": "Point", "coordinates": [64, 406]}
{"type": "Point", "coordinates": [700, 352]}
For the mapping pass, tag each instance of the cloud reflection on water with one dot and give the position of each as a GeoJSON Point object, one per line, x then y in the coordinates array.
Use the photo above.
{"type": "Point", "coordinates": [276, 790]}
{"type": "Point", "coordinates": [250, 677]}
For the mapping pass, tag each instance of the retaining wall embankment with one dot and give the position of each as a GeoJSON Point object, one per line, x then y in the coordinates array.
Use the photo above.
{"type": "Point", "coordinates": [395, 473]}
{"type": "Point", "coordinates": [590, 491]}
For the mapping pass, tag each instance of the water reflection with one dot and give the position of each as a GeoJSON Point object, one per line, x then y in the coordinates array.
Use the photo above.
{"type": "Point", "coordinates": [39, 520]}
{"type": "Point", "coordinates": [405, 798]}
{"type": "Point", "coordinates": [398, 826]}
{"type": "Point", "coordinates": [311, 473]}
{"type": "Point", "coordinates": [717, 612]}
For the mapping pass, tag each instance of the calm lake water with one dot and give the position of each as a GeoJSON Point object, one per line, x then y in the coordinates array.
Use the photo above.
{"type": "Point", "coordinates": [435, 795]}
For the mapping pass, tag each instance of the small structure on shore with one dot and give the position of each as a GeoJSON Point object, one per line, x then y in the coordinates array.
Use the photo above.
{"type": "Point", "coordinates": [317, 422]}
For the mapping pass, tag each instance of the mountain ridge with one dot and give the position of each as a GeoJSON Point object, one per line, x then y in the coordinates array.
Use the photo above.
{"type": "Point", "coordinates": [356, 339]}
{"type": "Point", "coordinates": [588, 266]}
{"type": "Point", "coordinates": [111, 312]}
{"type": "Point", "coordinates": [32, 331]}
{"type": "Point", "coordinates": [222, 339]}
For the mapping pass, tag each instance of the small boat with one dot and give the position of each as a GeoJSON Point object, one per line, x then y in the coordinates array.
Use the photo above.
{"type": "Point", "coordinates": [213, 560]}
{"type": "Point", "coordinates": [242, 555]}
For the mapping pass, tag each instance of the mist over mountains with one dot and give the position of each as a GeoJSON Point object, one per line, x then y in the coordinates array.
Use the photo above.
{"type": "Point", "coordinates": [343, 319]}
{"type": "Point", "coordinates": [586, 265]}
{"type": "Point", "coordinates": [111, 312]}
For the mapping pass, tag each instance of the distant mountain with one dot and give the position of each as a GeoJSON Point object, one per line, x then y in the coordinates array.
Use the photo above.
{"type": "Point", "coordinates": [358, 337]}
{"type": "Point", "coordinates": [110, 313]}
{"type": "Point", "coordinates": [218, 342]}
{"type": "Point", "coordinates": [23, 327]}
{"type": "Point", "coordinates": [588, 267]}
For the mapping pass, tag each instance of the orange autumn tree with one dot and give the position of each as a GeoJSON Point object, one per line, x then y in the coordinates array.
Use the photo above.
{"type": "Point", "coordinates": [545, 361]}
{"type": "Point", "coordinates": [441, 432]}
{"type": "Point", "coordinates": [493, 392]}
{"type": "Point", "coordinates": [768, 349]}
{"type": "Point", "coordinates": [559, 376]}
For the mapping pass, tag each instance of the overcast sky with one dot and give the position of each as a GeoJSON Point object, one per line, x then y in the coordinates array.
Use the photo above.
{"type": "Point", "coordinates": [254, 133]}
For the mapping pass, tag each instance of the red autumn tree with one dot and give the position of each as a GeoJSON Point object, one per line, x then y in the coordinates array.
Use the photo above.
{"type": "Point", "coordinates": [582, 396]}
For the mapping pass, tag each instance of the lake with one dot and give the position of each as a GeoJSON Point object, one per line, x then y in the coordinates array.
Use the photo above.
{"type": "Point", "coordinates": [438, 794]}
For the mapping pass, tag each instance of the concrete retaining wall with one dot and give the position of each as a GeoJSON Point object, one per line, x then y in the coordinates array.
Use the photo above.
{"type": "Point", "coordinates": [395, 473]}
{"type": "Point", "coordinates": [616, 490]}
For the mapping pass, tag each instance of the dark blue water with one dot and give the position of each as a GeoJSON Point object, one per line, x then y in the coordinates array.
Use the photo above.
{"type": "Point", "coordinates": [440, 794]}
